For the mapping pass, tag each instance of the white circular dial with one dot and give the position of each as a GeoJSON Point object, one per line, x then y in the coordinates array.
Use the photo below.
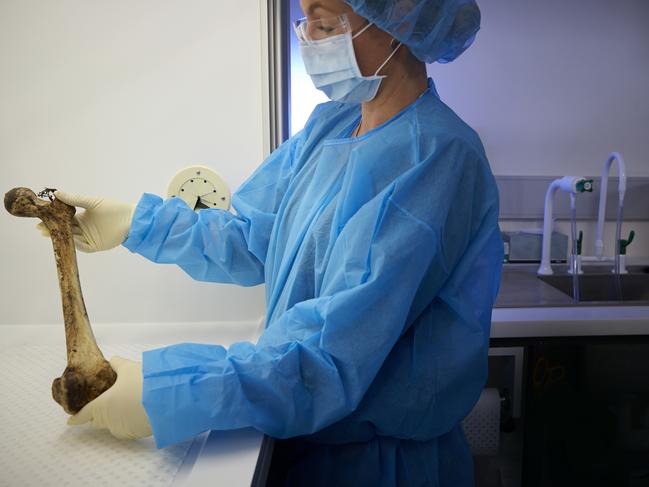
{"type": "Point", "coordinates": [200, 187]}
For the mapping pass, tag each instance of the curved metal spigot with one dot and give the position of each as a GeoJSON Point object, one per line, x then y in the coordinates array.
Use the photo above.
{"type": "Point", "coordinates": [614, 156]}
{"type": "Point", "coordinates": [569, 184]}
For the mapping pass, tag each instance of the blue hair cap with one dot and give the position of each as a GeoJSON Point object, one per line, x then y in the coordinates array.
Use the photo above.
{"type": "Point", "coordinates": [434, 30]}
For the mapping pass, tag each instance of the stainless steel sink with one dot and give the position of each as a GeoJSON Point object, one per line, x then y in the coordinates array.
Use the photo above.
{"type": "Point", "coordinates": [602, 285]}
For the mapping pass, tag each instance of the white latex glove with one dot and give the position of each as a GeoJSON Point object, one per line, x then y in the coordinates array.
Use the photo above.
{"type": "Point", "coordinates": [103, 225]}
{"type": "Point", "coordinates": [119, 409]}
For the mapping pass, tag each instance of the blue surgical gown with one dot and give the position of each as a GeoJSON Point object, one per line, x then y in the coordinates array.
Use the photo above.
{"type": "Point", "coordinates": [381, 257]}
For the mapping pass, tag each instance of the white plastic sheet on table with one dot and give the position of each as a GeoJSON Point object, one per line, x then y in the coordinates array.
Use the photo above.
{"type": "Point", "coordinates": [38, 448]}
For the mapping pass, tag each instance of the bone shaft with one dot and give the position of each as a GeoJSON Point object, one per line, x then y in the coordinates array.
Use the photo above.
{"type": "Point", "coordinates": [79, 339]}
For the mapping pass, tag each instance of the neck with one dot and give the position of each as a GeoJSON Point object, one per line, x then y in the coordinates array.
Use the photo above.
{"type": "Point", "coordinates": [398, 90]}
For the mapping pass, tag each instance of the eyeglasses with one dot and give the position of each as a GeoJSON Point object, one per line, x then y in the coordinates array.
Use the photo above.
{"type": "Point", "coordinates": [318, 29]}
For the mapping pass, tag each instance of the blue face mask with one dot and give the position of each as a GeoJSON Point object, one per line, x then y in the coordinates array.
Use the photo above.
{"type": "Point", "coordinates": [333, 68]}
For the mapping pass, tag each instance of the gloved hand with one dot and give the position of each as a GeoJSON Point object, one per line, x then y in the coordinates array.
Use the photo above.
{"type": "Point", "coordinates": [103, 225]}
{"type": "Point", "coordinates": [119, 409]}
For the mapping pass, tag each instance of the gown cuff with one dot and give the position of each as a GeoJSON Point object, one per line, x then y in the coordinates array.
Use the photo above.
{"type": "Point", "coordinates": [177, 411]}
{"type": "Point", "coordinates": [141, 220]}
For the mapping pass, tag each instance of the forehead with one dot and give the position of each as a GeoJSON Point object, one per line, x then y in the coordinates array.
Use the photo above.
{"type": "Point", "coordinates": [324, 7]}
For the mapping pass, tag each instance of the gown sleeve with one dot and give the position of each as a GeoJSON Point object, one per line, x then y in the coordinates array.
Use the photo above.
{"type": "Point", "coordinates": [214, 244]}
{"type": "Point", "coordinates": [313, 364]}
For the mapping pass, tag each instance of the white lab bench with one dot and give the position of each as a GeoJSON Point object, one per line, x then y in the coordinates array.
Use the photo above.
{"type": "Point", "coordinates": [533, 324]}
{"type": "Point", "coordinates": [38, 448]}
{"type": "Point", "coordinates": [511, 328]}
{"type": "Point", "coordinates": [527, 307]}
{"type": "Point", "coordinates": [569, 321]}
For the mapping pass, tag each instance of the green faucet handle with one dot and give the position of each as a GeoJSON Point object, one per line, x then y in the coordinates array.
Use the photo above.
{"type": "Point", "coordinates": [585, 185]}
{"type": "Point", "coordinates": [625, 243]}
{"type": "Point", "coordinates": [580, 239]}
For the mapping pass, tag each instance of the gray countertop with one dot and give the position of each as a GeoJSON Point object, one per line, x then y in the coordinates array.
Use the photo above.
{"type": "Point", "coordinates": [527, 307]}
{"type": "Point", "coordinates": [520, 287]}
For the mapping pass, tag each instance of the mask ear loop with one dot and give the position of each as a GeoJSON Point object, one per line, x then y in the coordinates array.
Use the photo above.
{"type": "Point", "coordinates": [362, 30]}
{"type": "Point", "coordinates": [388, 59]}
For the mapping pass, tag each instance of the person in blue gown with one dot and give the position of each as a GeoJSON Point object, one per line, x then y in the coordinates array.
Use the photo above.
{"type": "Point", "coordinates": [375, 232]}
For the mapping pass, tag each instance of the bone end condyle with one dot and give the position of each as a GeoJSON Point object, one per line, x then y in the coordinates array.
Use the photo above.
{"type": "Point", "coordinates": [23, 202]}
{"type": "Point", "coordinates": [87, 374]}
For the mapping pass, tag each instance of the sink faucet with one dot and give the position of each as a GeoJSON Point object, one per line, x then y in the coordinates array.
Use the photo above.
{"type": "Point", "coordinates": [621, 189]}
{"type": "Point", "coordinates": [569, 184]}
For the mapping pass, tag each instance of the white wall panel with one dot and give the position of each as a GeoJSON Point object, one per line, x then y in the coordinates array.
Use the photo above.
{"type": "Point", "coordinates": [111, 99]}
{"type": "Point", "coordinates": [554, 86]}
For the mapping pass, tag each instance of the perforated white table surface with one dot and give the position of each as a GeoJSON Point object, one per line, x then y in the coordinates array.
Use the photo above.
{"type": "Point", "coordinates": [38, 448]}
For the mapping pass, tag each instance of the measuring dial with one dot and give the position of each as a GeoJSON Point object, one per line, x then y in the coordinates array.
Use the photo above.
{"type": "Point", "coordinates": [200, 187]}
